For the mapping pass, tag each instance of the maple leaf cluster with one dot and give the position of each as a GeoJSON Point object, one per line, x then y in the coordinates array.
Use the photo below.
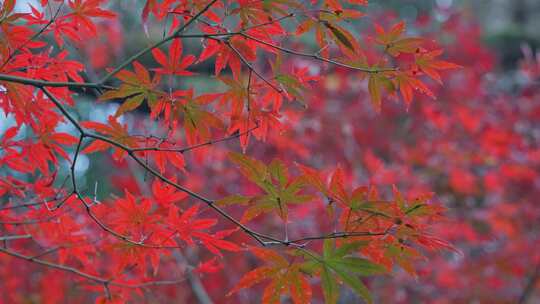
{"type": "Point", "coordinates": [143, 224]}
{"type": "Point", "coordinates": [475, 148]}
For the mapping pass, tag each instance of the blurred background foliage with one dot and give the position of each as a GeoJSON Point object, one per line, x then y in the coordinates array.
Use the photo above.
{"type": "Point", "coordinates": [508, 27]}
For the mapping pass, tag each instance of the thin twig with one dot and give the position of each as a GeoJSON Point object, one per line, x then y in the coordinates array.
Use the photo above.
{"type": "Point", "coordinates": [317, 57]}
{"type": "Point", "coordinates": [251, 68]}
{"type": "Point", "coordinates": [15, 237]}
{"type": "Point", "coordinates": [35, 36]}
{"type": "Point", "coordinates": [193, 147]}
{"type": "Point", "coordinates": [88, 276]}
{"type": "Point", "coordinates": [157, 44]}
{"type": "Point", "coordinates": [530, 285]}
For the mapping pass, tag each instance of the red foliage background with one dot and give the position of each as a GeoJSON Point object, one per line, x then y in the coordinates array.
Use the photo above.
{"type": "Point", "coordinates": [365, 109]}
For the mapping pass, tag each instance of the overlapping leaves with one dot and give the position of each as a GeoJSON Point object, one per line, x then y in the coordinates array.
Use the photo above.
{"type": "Point", "coordinates": [286, 278]}
{"type": "Point", "coordinates": [136, 87]}
{"type": "Point", "coordinates": [280, 190]}
{"type": "Point", "coordinates": [339, 265]}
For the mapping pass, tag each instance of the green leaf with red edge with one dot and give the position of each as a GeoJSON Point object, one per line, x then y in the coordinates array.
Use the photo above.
{"type": "Point", "coordinates": [340, 36]}
{"type": "Point", "coordinates": [274, 179]}
{"type": "Point", "coordinates": [198, 123]}
{"type": "Point", "coordinates": [254, 170]}
{"type": "Point", "coordinates": [279, 172]}
{"type": "Point", "coordinates": [403, 256]}
{"type": "Point", "coordinates": [253, 277]}
{"type": "Point", "coordinates": [392, 41]}
{"type": "Point", "coordinates": [136, 87]}
{"type": "Point", "coordinates": [376, 83]}
{"type": "Point", "coordinates": [300, 289]}
{"type": "Point", "coordinates": [313, 177]}
{"type": "Point", "coordinates": [339, 262]}
{"type": "Point", "coordinates": [130, 104]}
{"type": "Point", "coordinates": [406, 45]}
{"type": "Point", "coordinates": [374, 89]}
{"type": "Point", "coordinates": [344, 39]}
{"type": "Point", "coordinates": [285, 278]}
{"type": "Point", "coordinates": [236, 94]}
{"type": "Point", "coordinates": [234, 199]}
{"type": "Point", "coordinates": [329, 286]}
{"type": "Point", "coordinates": [270, 256]}
{"type": "Point", "coordinates": [293, 86]}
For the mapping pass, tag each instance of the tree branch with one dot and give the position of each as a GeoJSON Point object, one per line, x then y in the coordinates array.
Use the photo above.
{"type": "Point", "coordinates": [157, 44]}
{"type": "Point", "coordinates": [88, 276]}
{"type": "Point", "coordinates": [530, 285]}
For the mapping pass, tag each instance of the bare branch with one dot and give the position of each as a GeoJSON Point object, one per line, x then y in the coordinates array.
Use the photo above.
{"type": "Point", "coordinates": [15, 237]}
{"type": "Point", "coordinates": [157, 44]}
{"type": "Point", "coordinates": [88, 276]}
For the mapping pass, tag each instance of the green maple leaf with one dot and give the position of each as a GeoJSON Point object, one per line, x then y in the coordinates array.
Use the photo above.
{"type": "Point", "coordinates": [341, 264]}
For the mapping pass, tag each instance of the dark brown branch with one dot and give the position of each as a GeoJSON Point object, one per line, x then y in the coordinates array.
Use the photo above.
{"type": "Point", "coordinates": [157, 44]}
{"type": "Point", "coordinates": [264, 240]}
{"type": "Point", "coordinates": [530, 285]}
{"type": "Point", "coordinates": [317, 57]}
{"type": "Point", "coordinates": [53, 84]}
{"type": "Point", "coordinates": [251, 68]}
{"type": "Point", "coordinates": [186, 149]}
{"type": "Point", "coordinates": [261, 238]}
{"type": "Point", "coordinates": [15, 237]}
{"type": "Point", "coordinates": [88, 276]}
{"type": "Point", "coordinates": [339, 235]}
{"type": "Point", "coordinates": [44, 202]}
{"type": "Point", "coordinates": [35, 36]}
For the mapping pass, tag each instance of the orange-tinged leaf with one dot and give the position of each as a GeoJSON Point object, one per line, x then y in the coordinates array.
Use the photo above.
{"type": "Point", "coordinates": [392, 35]}
{"type": "Point", "coordinates": [123, 91]}
{"type": "Point", "coordinates": [300, 288]}
{"type": "Point", "coordinates": [340, 36]}
{"type": "Point", "coordinates": [407, 84]}
{"type": "Point", "coordinates": [279, 171]}
{"type": "Point", "coordinates": [251, 168]}
{"type": "Point", "coordinates": [233, 200]}
{"type": "Point", "coordinates": [427, 63]}
{"type": "Point", "coordinates": [273, 291]}
{"type": "Point", "coordinates": [254, 211]}
{"type": "Point", "coordinates": [394, 45]}
{"type": "Point", "coordinates": [253, 277]}
{"type": "Point", "coordinates": [405, 45]}
{"type": "Point", "coordinates": [344, 39]}
{"type": "Point", "coordinates": [285, 278]}
{"type": "Point", "coordinates": [141, 72]}
{"type": "Point", "coordinates": [270, 256]}
{"type": "Point", "coordinates": [313, 177]}
{"type": "Point", "coordinates": [374, 89]}
{"type": "Point", "coordinates": [129, 105]}
{"type": "Point", "coordinates": [337, 188]}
